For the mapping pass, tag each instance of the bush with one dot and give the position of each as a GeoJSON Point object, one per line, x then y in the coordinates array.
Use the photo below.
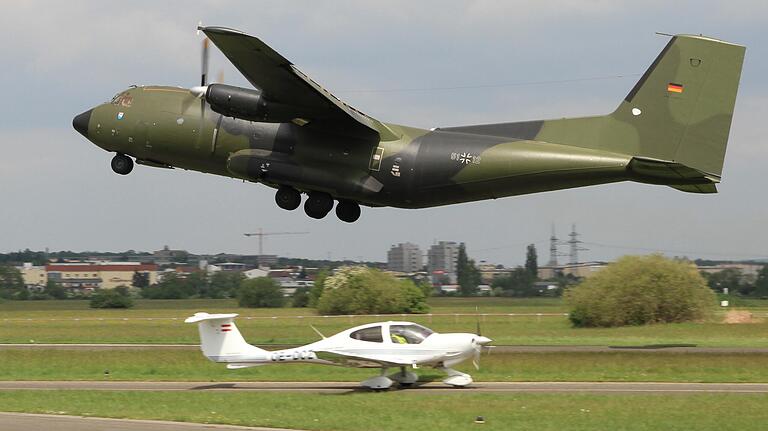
{"type": "Point", "coordinates": [111, 299]}
{"type": "Point", "coordinates": [637, 290]}
{"type": "Point", "coordinates": [361, 290]}
{"type": "Point", "coordinates": [261, 292]}
{"type": "Point", "coordinates": [300, 298]}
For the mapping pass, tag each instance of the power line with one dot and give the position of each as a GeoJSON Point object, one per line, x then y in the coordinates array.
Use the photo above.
{"type": "Point", "coordinates": [691, 252]}
{"type": "Point", "coordinates": [482, 86]}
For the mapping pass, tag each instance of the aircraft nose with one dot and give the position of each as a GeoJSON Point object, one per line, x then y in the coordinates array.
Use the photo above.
{"type": "Point", "coordinates": [80, 122]}
{"type": "Point", "coordinates": [482, 340]}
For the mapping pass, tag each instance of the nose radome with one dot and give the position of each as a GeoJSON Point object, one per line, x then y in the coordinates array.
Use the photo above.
{"type": "Point", "coordinates": [80, 122]}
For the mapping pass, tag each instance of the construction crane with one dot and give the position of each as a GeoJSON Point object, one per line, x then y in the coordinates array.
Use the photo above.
{"type": "Point", "coordinates": [262, 234]}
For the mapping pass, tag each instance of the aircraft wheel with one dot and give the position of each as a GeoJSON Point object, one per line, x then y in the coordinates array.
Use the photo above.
{"type": "Point", "coordinates": [348, 211]}
{"type": "Point", "coordinates": [122, 164]}
{"type": "Point", "coordinates": [288, 198]}
{"type": "Point", "coordinates": [318, 204]}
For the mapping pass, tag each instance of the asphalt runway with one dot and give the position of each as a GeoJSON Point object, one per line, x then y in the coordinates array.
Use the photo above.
{"type": "Point", "coordinates": [495, 349]}
{"type": "Point", "coordinates": [424, 388]}
{"type": "Point", "coordinates": [34, 422]}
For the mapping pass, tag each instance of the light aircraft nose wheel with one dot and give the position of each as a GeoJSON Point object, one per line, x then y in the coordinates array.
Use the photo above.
{"type": "Point", "coordinates": [318, 204]}
{"type": "Point", "coordinates": [122, 164]}
{"type": "Point", "coordinates": [288, 198]}
{"type": "Point", "coordinates": [348, 211]}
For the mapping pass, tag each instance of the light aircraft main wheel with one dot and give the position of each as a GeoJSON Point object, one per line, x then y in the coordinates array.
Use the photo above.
{"type": "Point", "coordinates": [122, 164]}
{"type": "Point", "coordinates": [318, 204]}
{"type": "Point", "coordinates": [288, 198]}
{"type": "Point", "coordinates": [348, 211]}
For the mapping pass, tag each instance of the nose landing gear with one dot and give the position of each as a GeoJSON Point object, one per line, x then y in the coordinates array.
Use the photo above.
{"type": "Point", "coordinates": [122, 164]}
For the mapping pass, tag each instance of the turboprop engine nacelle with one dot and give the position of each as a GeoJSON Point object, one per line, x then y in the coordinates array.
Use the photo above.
{"type": "Point", "coordinates": [245, 104]}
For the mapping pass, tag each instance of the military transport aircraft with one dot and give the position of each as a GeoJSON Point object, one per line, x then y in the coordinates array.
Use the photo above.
{"type": "Point", "coordinates": [293, 135]}
{"type": "Point", "coordinates": [381, 345]}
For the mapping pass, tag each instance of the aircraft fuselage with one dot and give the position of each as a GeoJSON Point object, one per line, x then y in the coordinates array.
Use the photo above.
{"type": "Point", "coordinates": [163, 126]}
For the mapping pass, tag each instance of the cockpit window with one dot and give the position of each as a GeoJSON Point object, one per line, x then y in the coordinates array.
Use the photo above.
{"type": "Point", "coordinates": [372, 334]}
{"type": "Point", "coordinates": [408, 334]}
{"type": "Point", "coordinates": [123, 99]}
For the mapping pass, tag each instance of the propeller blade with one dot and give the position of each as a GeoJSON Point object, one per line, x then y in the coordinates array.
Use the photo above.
{"type": "Point", "coordinates": [204, 63]}
{"type": "Point", "coordinates": [476, 359]}
{"type": "Point", "coordinates": [477, 319]}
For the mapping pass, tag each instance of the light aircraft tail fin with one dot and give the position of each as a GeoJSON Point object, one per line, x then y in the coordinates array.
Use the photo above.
{"type": "Point", "coordinates": [220, 340]}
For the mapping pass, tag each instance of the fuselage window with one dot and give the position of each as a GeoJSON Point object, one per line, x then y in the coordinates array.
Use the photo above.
{"type": "Point", "coordinates": [372, 334]}
{"type": "Point", "coordinates": [408, 334]}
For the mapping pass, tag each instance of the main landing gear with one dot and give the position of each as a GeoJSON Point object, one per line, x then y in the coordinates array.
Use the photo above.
{"type": "Point", "coordinates": [406, 379]}
{"type": "Point", "coordinates": [122, 164]}
{"type": "Point", "coordinates": [317, 205]}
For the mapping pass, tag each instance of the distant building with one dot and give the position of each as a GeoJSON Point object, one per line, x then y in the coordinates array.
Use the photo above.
{"type": "Point", "coordinates": [255, 273]}
{"type": "Point", "coordinates": [404, 257]}
{"type": "Point", "coordinates": [227, 267]}
{"type": "Point", "coordinates": [266, 260]}
{"type": "Point", "coordinates": [101, 275]}
{"type": "Point", "coordinates": [34, 276]}
{"type": "Point", "coordinates": [582, 269]}
{"type": "Point", "coordinates": [441, 261]}
{"type": "Point", "coordinates": [167, 256]}
{"type": "Point", "coordinates": [747, 269]}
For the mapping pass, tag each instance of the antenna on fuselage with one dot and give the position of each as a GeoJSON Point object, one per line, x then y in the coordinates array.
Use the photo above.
{"type": "Point", "coordinates": [316, 330]}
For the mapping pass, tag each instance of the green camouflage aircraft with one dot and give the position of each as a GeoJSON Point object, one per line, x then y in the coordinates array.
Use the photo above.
{"type": "Point", "coordinates": [293, 135]}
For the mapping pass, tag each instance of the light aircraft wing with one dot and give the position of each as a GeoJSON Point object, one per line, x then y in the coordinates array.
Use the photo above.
{"type": "Point", "coordinates": [281, 82]}
{"type": "Point", "coordinates": [361, 360]}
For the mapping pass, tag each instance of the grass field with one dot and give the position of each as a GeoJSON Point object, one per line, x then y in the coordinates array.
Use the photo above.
{"type": "Point", "coordinates": [161, 322]}
{"type": "Point", "coordinates": [185, 365]}
{"type": "Point", "coordinates": [408, 411]}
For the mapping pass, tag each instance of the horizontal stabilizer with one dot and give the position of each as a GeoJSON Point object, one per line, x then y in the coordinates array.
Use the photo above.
{"type": "Point", "coordinates": [696, 188]}
{"type": "Point", "coordinates": [199, 317]}
{"type": "Point", "coordinates": [675, 175]}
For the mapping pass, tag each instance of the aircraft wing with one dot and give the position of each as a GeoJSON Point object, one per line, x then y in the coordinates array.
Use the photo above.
{"type": "Point", "coordinates": [361, 360]}
{"type": "Point", "coordinates": [281, 82]}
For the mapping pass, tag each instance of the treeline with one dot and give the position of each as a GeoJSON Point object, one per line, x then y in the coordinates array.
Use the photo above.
{"type": "Point", "coordinates": [738, 283]}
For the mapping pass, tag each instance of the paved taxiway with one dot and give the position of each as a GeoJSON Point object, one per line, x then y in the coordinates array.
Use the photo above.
{"type": "Point", "coordinates": [431, 387]}
{"type": "Point", "coordinates": [496, 349]}
{"type": "Point", "coordinates": [33, 422]}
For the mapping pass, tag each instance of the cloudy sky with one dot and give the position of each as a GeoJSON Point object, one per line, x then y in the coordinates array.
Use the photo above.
{"type": "Point", "coordinates": [393, 60]}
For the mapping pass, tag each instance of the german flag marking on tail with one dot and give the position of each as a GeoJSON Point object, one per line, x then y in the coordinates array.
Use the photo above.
{"type": "Point", "coordinates": [674, 88]}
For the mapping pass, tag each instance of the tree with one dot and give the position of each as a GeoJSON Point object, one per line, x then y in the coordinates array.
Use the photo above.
{"type": "Point", "coordinates": [111, 298]}
{"type": "Point", "coordinates": [467, 275]}
{"type": "Point", "coordinates": [12, 283]}
{"type": "Point", "coordinates": [140, 279]}
{"type": "Point", "coordinates": [362, 290]}
{"type": "Point", "coordinates": [172, 287]}
{"type": "Point", "coordinates": [54, 290]}
{"type": "Point", "coordinates": [531, 261]}
{"type": "Point", "coordinates": [518, 283]}
{"type": "Point", "coordinates": [637, 290]}
{"type": "Point", "coordinates": [261, 292]}
{"type": "Point", "coordinates": [317, 289]}
{"type": "Point", "coordinates": [761, 284]}
{"type": "Point", "coordinates": [223, 284]}
{"type": "Point", "coordinates": [300, 297]}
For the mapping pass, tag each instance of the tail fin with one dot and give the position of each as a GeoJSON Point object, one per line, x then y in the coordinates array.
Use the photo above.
{"type": "Point", "coordinates": [678, 114]}
{"type": "Point", "coordinates": [681, 109]}
{"type": "Point", "coordinates": [220, 340]}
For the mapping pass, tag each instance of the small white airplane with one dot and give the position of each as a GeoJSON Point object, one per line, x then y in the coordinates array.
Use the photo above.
{"type": "Point", "coordinates": [381, 345]}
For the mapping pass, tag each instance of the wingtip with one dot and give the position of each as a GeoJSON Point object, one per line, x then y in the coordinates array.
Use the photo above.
{"type": "Point", "coordinates": [215, 29]}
